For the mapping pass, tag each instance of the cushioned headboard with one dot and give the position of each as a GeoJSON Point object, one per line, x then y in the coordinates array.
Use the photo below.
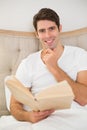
{"type": "Point", "coordinates": [14, 46]}
{"type": "Point", "coordinates": [76, 38]}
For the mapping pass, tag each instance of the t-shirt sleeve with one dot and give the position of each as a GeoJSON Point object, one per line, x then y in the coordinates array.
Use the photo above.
{"type": "Point", "coordinates": [23, 73]}
{"type": "Point", "coordinates": [82, 61]}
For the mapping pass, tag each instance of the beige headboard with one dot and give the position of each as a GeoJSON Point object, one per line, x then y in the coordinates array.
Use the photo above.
{"type": "Point", "coordinates": [14, 46]}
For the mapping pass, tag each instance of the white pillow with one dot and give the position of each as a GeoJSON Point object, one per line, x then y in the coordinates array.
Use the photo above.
{"type": "Point", "coordinates": [7, 94]}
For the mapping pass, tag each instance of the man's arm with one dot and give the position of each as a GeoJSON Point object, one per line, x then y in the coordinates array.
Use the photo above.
{"type": "Point", "coordinates": [79, 86]}
{"type": "Point", "coordinates": [20, 114]}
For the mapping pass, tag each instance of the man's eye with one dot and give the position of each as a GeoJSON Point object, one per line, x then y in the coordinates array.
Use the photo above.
{"type": "Point", "coordinates": [41, 30]}
{"type": "Point", "coordinates": [51, 28]}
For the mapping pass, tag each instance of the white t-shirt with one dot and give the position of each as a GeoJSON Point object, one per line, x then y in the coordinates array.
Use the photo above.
{"type": "Point", "coordinates": [32, 72]}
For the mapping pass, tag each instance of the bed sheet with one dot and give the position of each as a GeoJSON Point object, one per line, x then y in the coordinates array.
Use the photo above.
{"type": "Point", "coordinates": [69, 119]}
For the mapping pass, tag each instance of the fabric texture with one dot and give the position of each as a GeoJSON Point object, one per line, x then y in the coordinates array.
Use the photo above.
{"type": "Point", "coordinates": [33, 72]}
{"type": "Point", "coordinates": [69, 119]}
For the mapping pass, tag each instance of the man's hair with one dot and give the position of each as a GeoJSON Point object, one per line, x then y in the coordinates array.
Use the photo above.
{"type": "Point", "coordinates": [46, 14]}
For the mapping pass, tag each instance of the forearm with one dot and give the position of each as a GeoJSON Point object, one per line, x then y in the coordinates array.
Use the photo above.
{"type": "Point", "coordinates": [18, 112]}
{"type": "Point", "coordinates": [80, 90]}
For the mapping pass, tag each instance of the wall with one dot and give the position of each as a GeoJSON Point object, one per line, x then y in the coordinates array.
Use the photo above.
{"type": "Point", "coordinates": [18, 14]}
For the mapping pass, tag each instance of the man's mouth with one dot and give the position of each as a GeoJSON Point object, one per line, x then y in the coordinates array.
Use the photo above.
{"type": "Point", "coordinates": [49, 42]}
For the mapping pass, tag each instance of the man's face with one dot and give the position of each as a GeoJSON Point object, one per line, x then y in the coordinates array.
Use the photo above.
{"type": "Point", "coordinates": [48, 33]}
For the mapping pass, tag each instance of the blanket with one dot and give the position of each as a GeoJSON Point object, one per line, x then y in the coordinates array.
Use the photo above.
{"type": "Point", "coordinates": [74, 118]}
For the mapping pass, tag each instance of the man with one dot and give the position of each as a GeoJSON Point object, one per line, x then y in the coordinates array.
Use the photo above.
{"type": "Point", "coordinates": [54, 63]}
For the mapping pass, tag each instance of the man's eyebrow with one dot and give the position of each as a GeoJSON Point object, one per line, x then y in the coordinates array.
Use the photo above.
{"type": "Point", "coordinates": [41, 29]}
{"type": "Point", "coordinates": [51, 27]}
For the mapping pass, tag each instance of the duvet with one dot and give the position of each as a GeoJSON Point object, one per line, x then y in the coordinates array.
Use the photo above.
{"type": "Point", "coordinates": [74, 118]}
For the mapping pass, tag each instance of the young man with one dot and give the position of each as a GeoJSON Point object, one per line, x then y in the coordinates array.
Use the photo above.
{"type": "Point", "coordinates": [54, 63]}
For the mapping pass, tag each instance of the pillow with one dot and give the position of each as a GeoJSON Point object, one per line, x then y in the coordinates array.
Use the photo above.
{"type": "Point", "coordinates": [7, 94]}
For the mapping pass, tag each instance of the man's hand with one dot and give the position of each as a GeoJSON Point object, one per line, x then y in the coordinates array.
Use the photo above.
{"type": "Point", "coordinates": [50, 59]}
{"type": "Point", "coordinates": [20, 114]}
{"type": "Point", "coordinates": [39, 115]}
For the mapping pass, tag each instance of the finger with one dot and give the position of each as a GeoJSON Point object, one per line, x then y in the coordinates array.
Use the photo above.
{"type": "Point", "coordinates": [49, 51]}
{"type": "Point", "coordinates": [42, 113]}
{"type": "Point", "coordinates": [46, 114]}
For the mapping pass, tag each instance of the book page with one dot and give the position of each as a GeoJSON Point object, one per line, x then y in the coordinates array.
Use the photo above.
{"type": "Point", "coordinates": [58, 96]}
{"type": "Point", "coordinates": [21, 93]}
{"type": "Point", "coordinates": [59, 89]}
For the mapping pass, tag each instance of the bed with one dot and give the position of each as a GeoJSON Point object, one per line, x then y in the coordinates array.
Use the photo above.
{"type": "Point", "coordinates": [14, 46]}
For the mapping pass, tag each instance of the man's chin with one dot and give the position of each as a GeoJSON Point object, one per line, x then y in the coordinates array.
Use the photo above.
{"type": "Point", "coordinates": [52, 48]}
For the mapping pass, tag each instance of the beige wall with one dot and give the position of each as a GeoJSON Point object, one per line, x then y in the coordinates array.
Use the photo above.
{"type": "Point", "coordinates": [17, 14]}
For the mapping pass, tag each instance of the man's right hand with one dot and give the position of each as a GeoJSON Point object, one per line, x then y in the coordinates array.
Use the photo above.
{"type": "Point", "coordinates": [38, 116]}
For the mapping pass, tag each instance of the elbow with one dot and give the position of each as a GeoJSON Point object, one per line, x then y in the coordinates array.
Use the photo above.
{"type": "Point", "coordinates": [81, 102]}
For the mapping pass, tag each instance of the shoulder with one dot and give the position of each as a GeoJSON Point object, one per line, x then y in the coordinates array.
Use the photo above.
{"type": "Point", "coordinates": [32, 57]}
{"type": "Point", "coordinates": [27, 62]}
{"type": "Point", "coordinates": [75, 54]}
{"type": "Point", "coordinates": [75, 50]}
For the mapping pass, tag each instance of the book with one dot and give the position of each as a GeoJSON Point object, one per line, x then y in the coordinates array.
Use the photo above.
{"type": "Point", "coordinates": [57, 96]}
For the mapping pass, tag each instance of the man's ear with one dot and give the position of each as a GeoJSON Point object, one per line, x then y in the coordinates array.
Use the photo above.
{"type": "Point", "coordinates": [60, 28]}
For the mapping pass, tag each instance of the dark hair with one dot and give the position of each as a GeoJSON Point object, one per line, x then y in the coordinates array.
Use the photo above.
{"type": "Point", "coordinates": [46, 14]}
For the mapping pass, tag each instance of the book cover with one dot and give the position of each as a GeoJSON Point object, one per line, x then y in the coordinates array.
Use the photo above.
{"type": "Point", "coordinates": [57, 96]}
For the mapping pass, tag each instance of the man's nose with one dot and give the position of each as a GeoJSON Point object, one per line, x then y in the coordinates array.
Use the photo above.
{"type": "Point", "coordinates": [47, 33]}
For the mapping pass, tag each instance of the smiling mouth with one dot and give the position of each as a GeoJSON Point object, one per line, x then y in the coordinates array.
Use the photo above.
{"type": "Point", "coordinates": [49, 45]}
{"type": "Point", "coordinates": [49, 42]}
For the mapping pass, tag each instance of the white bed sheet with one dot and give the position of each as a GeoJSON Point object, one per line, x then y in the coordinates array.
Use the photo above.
{"type": "Point", "coordinates": [69, 119]}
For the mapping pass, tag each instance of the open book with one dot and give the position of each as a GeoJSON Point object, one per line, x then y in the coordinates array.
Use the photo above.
{"type": "Point", "coordinates": [57, 96]}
